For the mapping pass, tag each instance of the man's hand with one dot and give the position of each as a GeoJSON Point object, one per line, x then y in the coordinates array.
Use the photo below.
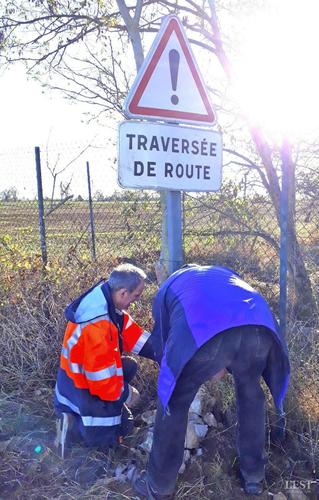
{"type": "Point", "coordinates": [219, 375]}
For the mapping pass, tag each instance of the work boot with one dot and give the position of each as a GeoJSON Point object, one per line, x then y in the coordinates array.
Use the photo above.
{"type": "Point", "coordinates": [142, 487]}
{"type": "Point", "coordinates": [253, 488]}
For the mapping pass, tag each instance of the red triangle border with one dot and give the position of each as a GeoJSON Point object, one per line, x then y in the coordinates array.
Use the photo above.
{"type": "Point", "coordinates": [134, 107]}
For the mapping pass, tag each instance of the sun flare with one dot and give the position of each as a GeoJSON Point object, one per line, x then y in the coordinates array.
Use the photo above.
{"type": "Point", "coordinates": [276, 70]}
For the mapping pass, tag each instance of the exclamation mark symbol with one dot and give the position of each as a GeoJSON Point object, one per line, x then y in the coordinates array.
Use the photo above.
{"type": "Point", "coordinates": [173, 67]}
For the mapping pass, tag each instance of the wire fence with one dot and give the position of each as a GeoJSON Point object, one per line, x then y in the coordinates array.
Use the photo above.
{"type": "Point", "coordinates": [236, 227]}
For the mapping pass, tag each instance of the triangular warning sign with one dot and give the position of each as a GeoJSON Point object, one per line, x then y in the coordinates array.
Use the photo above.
{"type": "Point", "coordinates": [169, 86]}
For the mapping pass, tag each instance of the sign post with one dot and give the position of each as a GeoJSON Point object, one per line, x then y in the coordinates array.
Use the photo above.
{"type": "Point", "coordinates": [158, 152]}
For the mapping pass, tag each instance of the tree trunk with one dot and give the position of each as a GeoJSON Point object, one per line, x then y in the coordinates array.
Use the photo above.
{"type": "Point", "coordinates": [305, 306]}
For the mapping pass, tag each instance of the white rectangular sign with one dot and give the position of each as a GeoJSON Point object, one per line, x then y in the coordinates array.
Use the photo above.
{"type": "Point", "coordinates": [163, 156]}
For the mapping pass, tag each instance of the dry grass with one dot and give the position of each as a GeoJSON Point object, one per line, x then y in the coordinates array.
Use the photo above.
{"type": "Point", "coordinates": [32, 326]}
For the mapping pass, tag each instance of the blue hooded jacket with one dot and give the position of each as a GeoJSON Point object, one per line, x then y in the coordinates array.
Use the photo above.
{"type": "Point", "coordinates": [196, 303]}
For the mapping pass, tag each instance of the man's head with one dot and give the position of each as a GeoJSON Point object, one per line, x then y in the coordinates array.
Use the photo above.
{"type": "Point", "coordinates": [126, 283]}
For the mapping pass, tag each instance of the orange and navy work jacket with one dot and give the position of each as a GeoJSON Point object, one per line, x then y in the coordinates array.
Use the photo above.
{"type": "Point", "coordinates": [93, 342]}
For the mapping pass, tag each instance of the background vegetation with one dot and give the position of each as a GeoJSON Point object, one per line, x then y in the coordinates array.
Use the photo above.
{"type": "Point", "coordinates": [220, 229]}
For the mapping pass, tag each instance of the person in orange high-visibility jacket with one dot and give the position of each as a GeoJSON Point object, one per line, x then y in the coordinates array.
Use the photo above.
{"type": "Point", "coordinates": [93, 377]}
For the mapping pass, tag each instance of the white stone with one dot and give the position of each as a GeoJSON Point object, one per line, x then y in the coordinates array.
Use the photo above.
{"type": "Point", "coordinates": [201, 430]}
{"type": "Point", "coordinates": [210, 420]}
{"type": "Point", "coordinates": [186, 458]}
{"type": "Point", "coordinates": [130, 472]}
{"type": "Point", "coordinates": [147, 443]}
{"type": "Point", "coordinates": [194, 434]}
{"type": "Point", "coordinates": [182, 468]}
{"type": "Point", "coordinates": [119, 473]}
{"type": "Point", "coordinates": [191, 438]}
{"type": "Point", "coordinates": [196, 419]}
{"type": "Point", "coordinates": [149, 417]}
{"type": "Point", "coordinates": [279, 496]}
{"type": "Point", "coordinates": [197, 404]}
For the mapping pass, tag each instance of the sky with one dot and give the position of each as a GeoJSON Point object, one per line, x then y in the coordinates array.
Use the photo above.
{"type": "Point", "coordinates": [277, 79]}
{"type": "Point", "coordinates": [29, 114]}
{"type": "Point", "coordinates": [33, 117]}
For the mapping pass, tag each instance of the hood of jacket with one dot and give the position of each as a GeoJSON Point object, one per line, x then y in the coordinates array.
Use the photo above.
{"type": "Point", "coordinates": [90, 305]}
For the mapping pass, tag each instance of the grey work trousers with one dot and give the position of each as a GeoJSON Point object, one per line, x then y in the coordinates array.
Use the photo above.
{"type": "Point", "coordinates": [244, 351]}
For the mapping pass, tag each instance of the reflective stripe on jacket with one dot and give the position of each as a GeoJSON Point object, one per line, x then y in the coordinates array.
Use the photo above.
{"type": "Point", "coordinates": [99, 423]}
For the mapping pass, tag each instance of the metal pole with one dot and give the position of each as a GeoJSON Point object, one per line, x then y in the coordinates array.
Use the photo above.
{"type": "Point", "coordinates": [91, 211]}
{"type": "Point", "coordinates": [284, 213]}
{"type": "Point", "coordinates": [41, 206]}
{"type": "Point", "coordinates": [174, 231]}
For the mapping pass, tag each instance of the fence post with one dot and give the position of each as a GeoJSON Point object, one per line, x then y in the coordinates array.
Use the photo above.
{"type": "Point", "coordinates": [91, 211]}
{"type": "Point", "coordinates": [41, 206]}
{"type": "Point", "coordinates": [284, 211]}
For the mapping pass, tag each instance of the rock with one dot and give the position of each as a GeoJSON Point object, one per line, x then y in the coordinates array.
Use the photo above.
{"type": "Point", "coordinates": [147, 443]}
{"type": "Point", "coordinates": [210, 420]}
{"type": "Point", "coordinates": [119, 472]}
{"type": "Point", "coordinates": [130, 472]}
{"type": "Point", "coordinates": [201, 430]}
{"type": "Point", "coordinates": [197, 404]}
{"type": "Point", "coordinates": [149, 417]}
{"type": "Point", "coordinates": [186, 458]}
{"type": "Point", "coordinates": [182, 468]}
{"type": "Point", "coordinates": [194, 434]}
{"type": "Point", "coordinates": [124, 472]}
{"type": "Point", "coordinates": [196, 419]}
{"type": "Point", "coordinates": [279, 496]}
{"type": "Point", "coordinates": [191, 438]}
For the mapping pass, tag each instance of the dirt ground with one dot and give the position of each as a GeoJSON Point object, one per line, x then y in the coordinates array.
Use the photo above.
{"type": "Point", "coordinates": [32, 468]}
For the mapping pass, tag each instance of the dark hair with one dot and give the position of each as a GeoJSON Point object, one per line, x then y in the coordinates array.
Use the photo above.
{"type": "Point", "coordinates": [126, 276]}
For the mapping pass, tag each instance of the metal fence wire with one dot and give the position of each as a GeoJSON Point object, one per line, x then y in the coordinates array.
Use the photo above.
{"type": "Point", "coordinates": [231, 227]}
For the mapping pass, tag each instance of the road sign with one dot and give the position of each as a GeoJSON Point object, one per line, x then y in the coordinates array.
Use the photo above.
{"type": "Point", "coordinates": [169, 85]}
{"type": "Point", "coordinates": [163, 156]}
